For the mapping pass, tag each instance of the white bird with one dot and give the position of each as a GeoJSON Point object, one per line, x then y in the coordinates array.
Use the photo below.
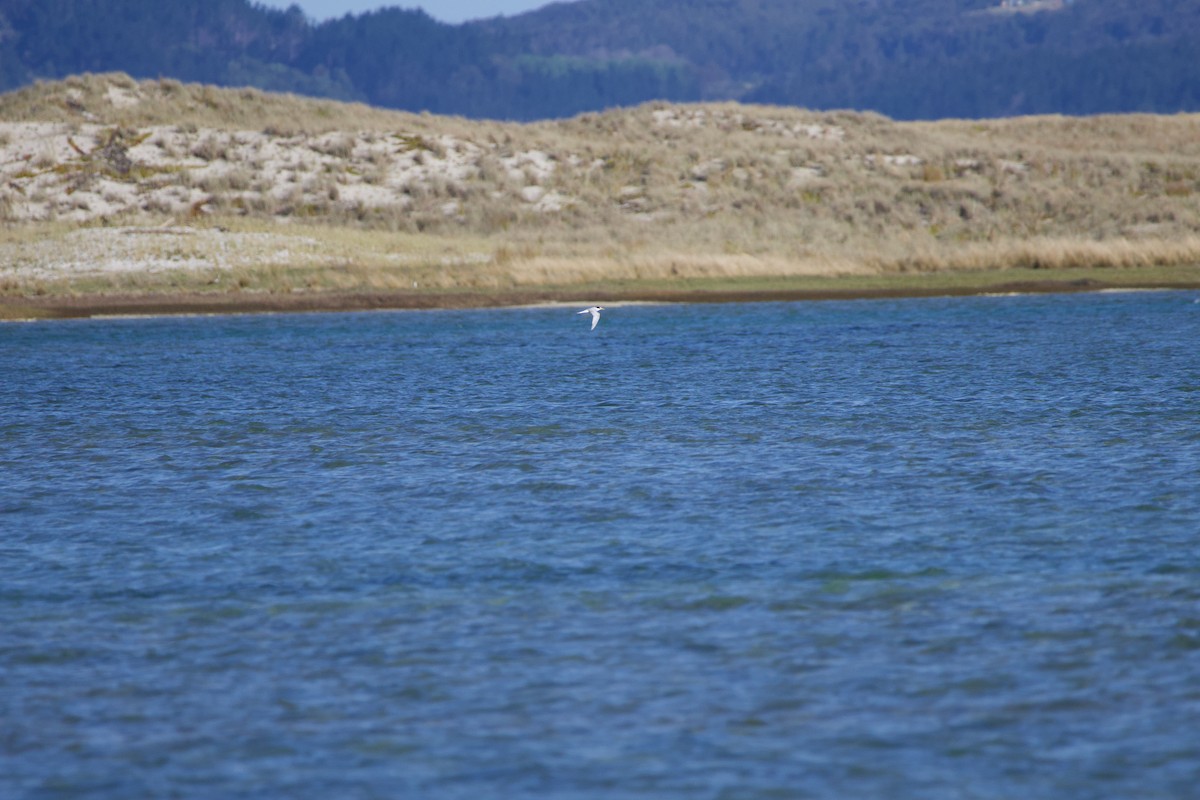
{"type": "Point", "coordinates": [595, 312]}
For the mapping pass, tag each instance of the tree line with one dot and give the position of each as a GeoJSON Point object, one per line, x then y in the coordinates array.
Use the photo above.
{"type": "Point", "coordinates": [908, 59]}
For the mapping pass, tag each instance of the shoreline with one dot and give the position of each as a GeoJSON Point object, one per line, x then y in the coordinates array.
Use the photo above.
{"type": "Point", "coordinates": [15, 309]}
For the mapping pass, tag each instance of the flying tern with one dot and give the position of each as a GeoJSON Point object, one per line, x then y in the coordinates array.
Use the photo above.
{"type": "Point", "coordinates": [595, 312]}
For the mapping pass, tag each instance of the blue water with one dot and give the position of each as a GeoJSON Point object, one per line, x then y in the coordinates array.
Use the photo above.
{"type": "Point", "coordinates": [915, 548]}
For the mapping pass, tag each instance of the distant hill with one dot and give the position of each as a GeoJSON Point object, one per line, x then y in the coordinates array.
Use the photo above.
{"type": "Point", "coordinates": [909, 59]}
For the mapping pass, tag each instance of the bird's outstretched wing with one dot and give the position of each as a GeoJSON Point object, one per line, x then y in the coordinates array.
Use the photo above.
{"type": "Point", "coordinates": [595, 312]}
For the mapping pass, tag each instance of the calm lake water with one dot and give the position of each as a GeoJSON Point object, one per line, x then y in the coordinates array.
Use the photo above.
{"type": "Point", "coordinates": [916, 548]}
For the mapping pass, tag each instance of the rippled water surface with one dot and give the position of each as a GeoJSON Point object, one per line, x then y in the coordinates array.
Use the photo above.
{"type": "Point", "coordinates": [923, 548]}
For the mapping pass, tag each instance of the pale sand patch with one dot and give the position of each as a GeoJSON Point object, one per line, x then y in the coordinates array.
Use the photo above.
{"type": "Point", "coordinates": [532, 194]}
{"type": "Point", "coordinates": [760, 123]}
{"type": "Point", "coordinates": [122, 97]}
{"type": "Point", "coordinates": [370, 196]}
{"type": "Point", "coordinates": [100, 251]}
{"type": "Point", "coordinates": [532, 165]}
{"type": "Point", "coordinates": [893, 160]}
{"type": "Point", "coordinates": [52, 171]}
{"type": "Point", "coordinates": [804, 176]}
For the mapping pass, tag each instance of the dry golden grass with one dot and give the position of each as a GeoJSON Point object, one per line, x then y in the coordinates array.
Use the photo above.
{"type": "Point", "coordinates": [280, 193]}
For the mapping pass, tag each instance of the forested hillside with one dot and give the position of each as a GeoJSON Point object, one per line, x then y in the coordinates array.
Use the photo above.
{"type": "Point", "coordinates": [909, 59]}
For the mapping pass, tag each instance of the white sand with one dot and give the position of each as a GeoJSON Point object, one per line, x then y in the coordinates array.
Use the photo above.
{"type": "Point", "coordinates": [58, 172]}
{"type": "Point", "coordinates": [97, 251]}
